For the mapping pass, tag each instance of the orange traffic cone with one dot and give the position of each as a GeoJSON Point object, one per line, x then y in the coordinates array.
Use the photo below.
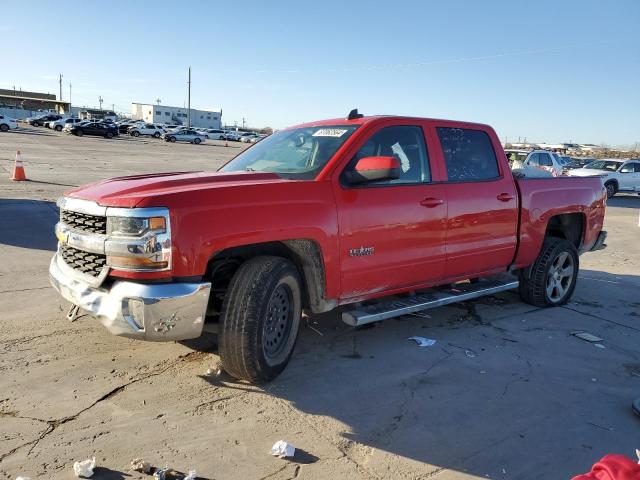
{"type": "Point", "coordinates": [18, 169]}
{"type": "Point", "coordinates": [226, 142]}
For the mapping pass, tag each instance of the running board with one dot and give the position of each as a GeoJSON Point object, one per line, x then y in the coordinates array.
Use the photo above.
{"type": "Point", "coordinates": [423, 301]}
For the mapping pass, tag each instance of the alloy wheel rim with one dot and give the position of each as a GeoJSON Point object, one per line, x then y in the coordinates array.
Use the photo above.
{"type": "Point", "coordinates": [277, 325]}
{"type": "Point", "coordinates": [560, 276]}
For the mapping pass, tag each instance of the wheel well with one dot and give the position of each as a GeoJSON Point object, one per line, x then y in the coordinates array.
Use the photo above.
{"type": "Point", "coordinates": [305, 254]}
{"type": "Point", "coordinates": [569, 226]}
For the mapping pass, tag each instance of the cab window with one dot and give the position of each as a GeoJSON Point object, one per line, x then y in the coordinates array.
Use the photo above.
{"type": "Point", "coordinates": [404, 142]}
{"type": "Point", "coordinates": [468, 154]}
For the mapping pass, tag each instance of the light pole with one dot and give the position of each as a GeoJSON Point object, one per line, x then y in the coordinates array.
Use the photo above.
{"type": "Point", "coordinates": [100, 102]}
{"type": "Point", "coordinates": [189, 101]}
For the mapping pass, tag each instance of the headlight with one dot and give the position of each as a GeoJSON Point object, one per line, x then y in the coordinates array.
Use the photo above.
{"type": "Point", "coordinates": [135, 226]}
{"type": "Point", "coordinates": [138, 239]}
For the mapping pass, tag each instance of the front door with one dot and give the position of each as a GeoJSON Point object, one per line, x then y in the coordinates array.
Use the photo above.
{"type": "Point", "coordinates": [482, 203]}
{"type": "Point", "coordinates": [629, 177]}
{"type": "Point", "coordinates": [391, 233]}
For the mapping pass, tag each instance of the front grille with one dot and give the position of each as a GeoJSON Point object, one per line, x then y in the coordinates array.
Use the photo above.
{"type": "Point", "coordinates": [84, 222]}
{"type": "Point", "coordinates": [85, 262]}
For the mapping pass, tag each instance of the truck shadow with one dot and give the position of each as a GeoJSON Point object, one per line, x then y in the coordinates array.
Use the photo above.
{"type": "Point", "coordinates": [624, 201]}
{"type": "Point", "coordinates": [28, 223]}
{"type": "Point", "coordinates": [504, 381]}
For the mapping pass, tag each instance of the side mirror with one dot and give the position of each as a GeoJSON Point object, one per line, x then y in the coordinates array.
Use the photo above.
{"type": "Point", "coordinates": [372, 169]}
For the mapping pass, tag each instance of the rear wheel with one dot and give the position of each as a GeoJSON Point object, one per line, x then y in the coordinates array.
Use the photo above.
{"type": "Point", "coordinates": [611, 189]}
{"type": "Point", "coordinates": [58, 128]}
{"type": "Point", "coordinates": [109, 135]}
{"type": "Point", "coordinates": [156, 135]}
{"type": "Point", "coordinates": [4, 127]}
{"type": "Point", "coordinates": [172, 139]}
{"type": "Point", "coordinates": [79, 133]}
{"type": "Point", "coordinates": [553, 275]}
{"type": "Point", "coordinates": [260, 319]}
{"type": "Point", "coordinates": [196, 141]}
{"type": "Point", "coordinates": [135, 133]}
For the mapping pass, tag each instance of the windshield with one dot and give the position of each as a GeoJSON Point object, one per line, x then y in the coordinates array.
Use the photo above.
{"type": "Point", "coordinates": [603, 165]}
{"type": "Point", "coordinates": [299, 153]}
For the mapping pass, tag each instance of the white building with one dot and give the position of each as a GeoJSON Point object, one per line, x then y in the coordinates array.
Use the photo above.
{"type": "Point", "coordinates": [176, 115]}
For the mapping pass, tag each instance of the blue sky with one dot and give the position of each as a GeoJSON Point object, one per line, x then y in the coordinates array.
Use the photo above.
{"type": "Point", "coordinates": [546, 70]}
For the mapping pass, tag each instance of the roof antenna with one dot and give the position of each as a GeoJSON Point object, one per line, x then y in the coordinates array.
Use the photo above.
{"type": "Point", "coordinates": [353, 114]}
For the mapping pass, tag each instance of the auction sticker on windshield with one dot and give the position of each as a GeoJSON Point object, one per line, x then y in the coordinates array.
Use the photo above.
{"type": "Point", "coordinates": [330, 132]}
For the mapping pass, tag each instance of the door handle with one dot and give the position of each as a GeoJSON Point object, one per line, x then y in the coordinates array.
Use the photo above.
{"type": "Point", "coordinates": [431, 202]}
{"type": "Point", "coordinates": [505, 197]}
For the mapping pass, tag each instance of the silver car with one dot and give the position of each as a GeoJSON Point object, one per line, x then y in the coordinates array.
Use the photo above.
{"type": "Point", "coordinates": [185, 135]}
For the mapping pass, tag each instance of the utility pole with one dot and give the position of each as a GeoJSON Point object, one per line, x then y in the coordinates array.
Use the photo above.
{"type": "Point", "coordinates": [158, 101]}
{"type": "Point", "coordinates": [69, 98]}
{"type": "Point", "coordinates": [189, 101]}
{"type": "Point", "coordinates": [100, 102]}
{"type": "Point", "coordinates": [60, 87]}
{"type": "Point", "coordinates": [243, 123]}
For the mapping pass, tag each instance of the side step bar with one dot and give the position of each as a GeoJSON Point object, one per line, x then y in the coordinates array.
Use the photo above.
{"type": "Point", "coordinates": [423, 301]}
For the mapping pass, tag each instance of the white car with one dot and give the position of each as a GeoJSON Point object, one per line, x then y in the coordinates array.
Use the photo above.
{"type": "Point", "coordinates": [544, 160]}
{"type": "Point", "coordinates": [183, 135]}
{"type": "Point", "coordinates": [246, 137]}
{"type": "Point", "coordinates": [147, 129]}
{"type": "Point", "coordinates": [58, 125]}
{"type": "Point", "coordinates": [7, 123]}
{"type": "Point", "coordinates": [618, 175]}
{"type": "Point", "coordinates": [213, 133]}
{"type": "Point", "coordinates": [233, 136]}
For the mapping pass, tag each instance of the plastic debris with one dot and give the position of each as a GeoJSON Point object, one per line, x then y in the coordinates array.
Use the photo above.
{"type": "Point", "coordinates": [587, 337]}
{"type": "Point", "coordinates": [215, 370]}
{"type": "Point", "coordinates": [139, 465]}
{"type": "Point", "coordinates": [167, 473]}
{"type": "Point", "coordinates": [191, 475]}
{"type": "Point", "coordinates": [29, 478]}
{"type": "Point", "coordinates": [469, 353]}
{"type": "Point", "coordinates": [84, 469]}
{"type": "Point", "coordinates": [423, 342]}
{"type": "Point", "coordinates": [282, 449]}
{"type": "Point", "coordinates": [599, 345]}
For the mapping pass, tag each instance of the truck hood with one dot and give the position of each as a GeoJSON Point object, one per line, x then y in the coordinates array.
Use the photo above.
{"type": "Point", "coordinates": [132, 190]}
{"type": "Point", "coordinates": [587, 172]}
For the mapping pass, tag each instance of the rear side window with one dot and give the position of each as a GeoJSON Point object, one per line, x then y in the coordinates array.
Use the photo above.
{"type": "Point", "coordinates": [468, 154]}
{"type": "Point", "coordinates": [545, 160]}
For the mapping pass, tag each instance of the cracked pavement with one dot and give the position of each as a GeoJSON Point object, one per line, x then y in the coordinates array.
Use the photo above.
{"type": "Point", "coordinates": [506, 392]}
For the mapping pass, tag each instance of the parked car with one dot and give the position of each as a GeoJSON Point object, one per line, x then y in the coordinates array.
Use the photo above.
{"type": "Point", "coordinates": [101, 129]}
{"type": "Point", "coordinates": [148, 129]}
{"type": "Point", "coordinates": [618, 175]}
{"type": "Point", "coordinates": [67, 128]}
{"type": "Point", "coordinates": [325, 214]}
{"type": "Point", "coordinates": [7, 123]}
{"type": "Point", "coordinates": [40, 121]}
{"type": "Point", "coordinates": [231, 136]}
{"type": "Point", "coordinates": [125, 125]}
{"type": "Point", "coordinates": [246, 137]}
{"type": "Point", "coordinates": [184, 135]}
{"type": "Point", "coordinates": [544, 160]}
{"type": "Point", "coordinates": [213, 134]}
{"type": "Point", "coordinates": [58, 125]}
{"type": "Point", "coordinates": [516, 155]}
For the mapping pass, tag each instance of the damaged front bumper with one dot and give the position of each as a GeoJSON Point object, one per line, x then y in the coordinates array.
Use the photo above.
{"type": "Point", "coordinates": [155, 312]}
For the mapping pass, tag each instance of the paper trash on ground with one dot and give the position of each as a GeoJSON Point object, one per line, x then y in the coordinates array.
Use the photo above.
{"type": "Point", "coordinates": [139, 465]}
{"type": "Point", "coordinates": [84, 469]}
{"type": "Point", "coordinates": [282, 449]}
{"type": "Point", "coordinates": [423, 342]}
{"type": "Point", "coordinates": [191, 475]}
{"type": "Point", "coordinates": [586, 336]}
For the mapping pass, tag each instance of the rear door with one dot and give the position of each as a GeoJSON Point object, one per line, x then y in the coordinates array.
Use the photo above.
{"type": "Point", "coordinates": [482, 201]}
{"type": "Point", "coordinates": [629, 176]}
{"type": "Point", "coordinates": [391, 233]}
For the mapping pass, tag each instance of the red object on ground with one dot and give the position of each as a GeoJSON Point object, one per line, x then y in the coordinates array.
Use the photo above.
{"type": "Point", "coordinates": [18, 169]}
{"type": "Point", "coordinates": [613, 467]}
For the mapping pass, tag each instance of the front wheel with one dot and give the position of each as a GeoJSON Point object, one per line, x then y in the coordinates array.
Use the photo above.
{"type": "Point", "coordinates": [135, 134]}
{"type": "Point", "coordinates": [553, 275]}
{"type": "Point", "coordinates": [4, 127]}
{"type": "Point", "coordinates": [58, 128]}
{"type": "Point", "coordinates": [196, 141]}
{"type": "Point", "coordinates": [172, 139]}
{"type": "Point", "coordinates": [109, 135]}
{"type": "Point", "coordinates": [79, 133]}
{"type": "Point", "coordinates": [611, 189]}
{"type": "Point", "coordinates": [260, 319]}
{"type": "Point", "coordinates": [156, 135]}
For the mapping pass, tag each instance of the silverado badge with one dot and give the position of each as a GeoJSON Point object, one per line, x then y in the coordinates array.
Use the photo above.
{"type": "Point", "coordinates": [361, 252]}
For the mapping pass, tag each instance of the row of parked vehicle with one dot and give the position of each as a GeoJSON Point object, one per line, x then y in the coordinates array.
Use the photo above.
{"type": "Point", "coordinates": [618, 175]}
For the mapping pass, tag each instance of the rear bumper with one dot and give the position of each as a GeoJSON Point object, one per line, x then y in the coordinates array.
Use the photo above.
{"type": "Point", "coordinates": [600, 245]}
{"type": "Point", "coordinates": [155, 312]}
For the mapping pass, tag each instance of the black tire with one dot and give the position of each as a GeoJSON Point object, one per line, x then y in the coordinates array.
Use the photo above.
{"type": "Point", "coordinates": [58, 128]}
{"type": "Point", "coordinates": [197, 141]}
{"type": "Point", "coordinates": [260, 319]}
{"type": "Point", "coordinates": [4, 127]}
{"type": "Point", "coordinates": [612, 189]}
{"type": "Point", "coordinates": [156, 135]}
{"type": "Point", "coordinates": [172, 139]}
{"type": "Point", "coordinates": [547, 285]}
{"type": "Point", "coordinates": [79, 133]}
{"type": "Point", "coordinates": [109, 135]}
{"type": "Point", "coordinates": [135, 133]}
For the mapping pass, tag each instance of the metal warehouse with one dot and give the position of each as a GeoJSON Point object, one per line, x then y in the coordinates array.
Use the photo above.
{"type": "Point", "coordinates": [176, 115]}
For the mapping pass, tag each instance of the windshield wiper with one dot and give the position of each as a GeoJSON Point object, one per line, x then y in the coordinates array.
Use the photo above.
{"type": "Point", "coordinates": [249, 169]}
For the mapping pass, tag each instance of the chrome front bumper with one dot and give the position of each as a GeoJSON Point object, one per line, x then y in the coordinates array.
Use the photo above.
{"type": "Point", "coordinates": [156, 312]}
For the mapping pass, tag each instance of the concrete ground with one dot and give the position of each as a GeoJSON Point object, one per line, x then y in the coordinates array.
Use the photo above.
{"type": "Point", "coordinates": [506, 392]}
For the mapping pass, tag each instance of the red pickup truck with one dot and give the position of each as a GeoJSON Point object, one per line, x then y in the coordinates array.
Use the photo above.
{"type": "Point", "coordinates": [380, 215]}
